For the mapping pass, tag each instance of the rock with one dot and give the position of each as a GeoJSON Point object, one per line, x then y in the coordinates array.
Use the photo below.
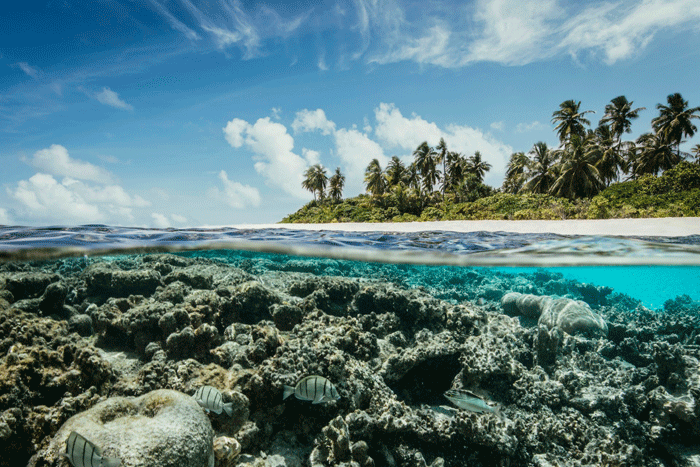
{"type": "Point", "coordinates": [180, 345]}
{"type": "Point", "coordinates": [286, 316]}
{"type": "Point", "coordinates": [103, 281]}
{"type": "Point", "coordinates": [53, 298]}
{"type": "Point", "coordinates": [162, 428]}
{"type": "Point", "coordinates": [226, 450]}
{"type": "Point", "coordinates": [29, 284]}
{"type": "Point", "coordinates": [570, 316]}
{"type": "Point", "coordinates": [82, 324]}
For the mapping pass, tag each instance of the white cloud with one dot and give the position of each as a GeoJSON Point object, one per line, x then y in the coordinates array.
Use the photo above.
{"type": "Point", "coordinates": [407, 133]}
{"type": "Point", "coordinates": [86, 193]}
{"type": "Point", "coordinates": [498, 126]}
{"type": "Point", "coordinates": [5, 217]}
{"type": "Point", "coordinates": [322, 62]}
{"type": "Point", "coordinates": [28, 69]}
{"type": "Point", "coordinates": [532, 126]}
{"type": "Point", "coordinates": [311, 156]}
{"type": "Point", "coordinates": [276, 113]}
{"type": "Point", "coordinates": [111, 98]}
{"type": "Point", "coordinates": [56, 161]}
{"type": "Point", "coordinates": [272, 146]}
{"type": "Point", "coordinates": [47, 199]}
{"type": "Point", "coordinates": [175, 23]}
{"type": "Point", "coordinates": [178, 218]}
{"type": "Point", "coordinates": [312, 120]}
{"type": "Point", "coordinates": [235, 194]}
{"type": "Point", "coordinates": [396, 130]}
{"type": "Point", "coordinates": [160, 221]}
{"type": "Point", "coordinates": [357, 150]}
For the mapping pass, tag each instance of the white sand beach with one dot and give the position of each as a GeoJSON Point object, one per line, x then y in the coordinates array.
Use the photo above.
{"type": "Point", "coordinates": [665, 227]}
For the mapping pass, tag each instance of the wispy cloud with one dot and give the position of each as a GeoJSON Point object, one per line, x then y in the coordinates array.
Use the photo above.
{"type": "Point", "coordinates": [28, 69]}
{"type": "Point", "coordinates": [175, 23]}
{"type": "Point", "coordinates": [111, 98]}
{"type": "Point", "coordinates": [532, 126]}
{"type": "Point", "coordinates": [235, 194]}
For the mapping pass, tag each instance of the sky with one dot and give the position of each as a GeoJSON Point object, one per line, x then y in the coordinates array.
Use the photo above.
{"type": "Point", "coordinates": [183, 113]}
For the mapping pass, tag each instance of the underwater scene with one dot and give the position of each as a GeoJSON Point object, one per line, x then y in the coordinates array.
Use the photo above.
{"type": "Point", "coordinates": [287, 348]}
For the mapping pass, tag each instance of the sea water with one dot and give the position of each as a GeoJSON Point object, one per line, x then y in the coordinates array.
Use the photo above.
{"type": "Point", "coordinates": [628, 281]}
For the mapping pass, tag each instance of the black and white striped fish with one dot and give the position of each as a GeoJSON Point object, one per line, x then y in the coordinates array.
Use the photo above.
{"type": "Point", "coordinates": [313, 388]}
{"type": "Point", "coordinates": [82, 453]}
{"type": "Point", "coordinates": [209, 399]}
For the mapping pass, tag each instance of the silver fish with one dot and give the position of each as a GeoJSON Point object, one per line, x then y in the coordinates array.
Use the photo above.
{"type": "Point", "coordinates": [467, 400]}
{"type": "Point", "coordinates": [210, 399]}
{"type": "Point", "coordinates": [82, 453]}
{"type": "Point", "coordinates": [313, 388]}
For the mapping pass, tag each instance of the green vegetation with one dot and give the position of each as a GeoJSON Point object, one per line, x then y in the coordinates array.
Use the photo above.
{"type": "Point", "coordinates": [577, 180]}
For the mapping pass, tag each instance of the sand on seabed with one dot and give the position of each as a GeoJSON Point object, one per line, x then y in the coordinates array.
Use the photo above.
{"type": "Point", "coordinates": [664, 226]}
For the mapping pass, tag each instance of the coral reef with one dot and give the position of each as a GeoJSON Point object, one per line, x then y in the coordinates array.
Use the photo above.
{"type": "Point", "coordinates": [583, 375]}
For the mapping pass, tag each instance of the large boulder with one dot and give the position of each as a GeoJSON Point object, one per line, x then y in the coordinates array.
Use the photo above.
{"type": "Point", "coordinates": [162, 428]}
{"type": "Point", "coordinates": [570, 316]}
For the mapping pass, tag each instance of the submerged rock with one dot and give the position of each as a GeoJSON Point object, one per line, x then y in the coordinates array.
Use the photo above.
{"type": "Point", "coordinates": [163, 428]}
{"type": "Point", "coordinates": [570, 316]}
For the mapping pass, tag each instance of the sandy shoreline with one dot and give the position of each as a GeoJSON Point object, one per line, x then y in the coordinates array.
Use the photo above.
{"type": "Point", "coordinates": [665, 227]}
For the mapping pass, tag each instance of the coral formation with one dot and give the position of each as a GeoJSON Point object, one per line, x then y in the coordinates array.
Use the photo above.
{"type": "Point", "coordinates": [583, 376]}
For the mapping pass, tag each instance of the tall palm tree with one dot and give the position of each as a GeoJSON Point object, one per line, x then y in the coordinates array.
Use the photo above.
{"type": "Point", "coordinates": [578, 175]}
{"type": "Point", "coordinates": [315, 180]}
{"type": "Point", "coordinates": [516, 172]}
{"type": "Point", "coordinates": [610, 160]}
{"type": "Point", "coordinates": [395, 171]}
{"type": "Point", "coordinates": [374, 178]}
{"type": "Point", "coordinates": [654, 154]}
{"type": "Point", "coordinates": [442, 156]}
{"type": "Point", "coordinates": [674, 120]}
{"type": "Point", "coordinates": [619, 115]}
{"type": "Point", "coordinates": [424, 157]}
{"type": "Point", "coordinates": [570, 120]}
{"type": "Point", "coordinates": [455, 168]}
{"type": "Point", "coordinates": [337, 183]}
{"type": "Point", "coordinates": [478, 167]}
{"type": "Point", "coordinates": [540, 169]}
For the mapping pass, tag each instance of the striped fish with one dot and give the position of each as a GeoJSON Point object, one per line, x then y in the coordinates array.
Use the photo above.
{"type": "Point", "coordinates": [313, 388]}
{"type": "Point", "coordinates": [209, 399]}
{"type": "Point", "coordinates": [467, 400]}
{"type": "Point", "coordinates": [82, 453]}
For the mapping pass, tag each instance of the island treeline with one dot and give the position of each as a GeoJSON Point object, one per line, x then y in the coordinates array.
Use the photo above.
{"type": "Point", "coordinates": [593, 173]}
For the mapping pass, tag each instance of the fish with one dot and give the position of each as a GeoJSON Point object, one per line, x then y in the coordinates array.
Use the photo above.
{"type": "Point", "coordinates": [313, 388]}
{"type": "Point", "coordinates": [83, 453]}
{"type": "Point", "coordinates": [467, 400]}
{"type": "Point", "coordinates": [210, 399]}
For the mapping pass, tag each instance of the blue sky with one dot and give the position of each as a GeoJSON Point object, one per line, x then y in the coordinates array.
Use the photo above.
{"type": "Point", "coordinates": [187, 113]}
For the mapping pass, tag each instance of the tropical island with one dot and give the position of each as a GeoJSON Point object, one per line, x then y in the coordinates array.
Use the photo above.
{"type": "Point", "coordinates": [592, 174]}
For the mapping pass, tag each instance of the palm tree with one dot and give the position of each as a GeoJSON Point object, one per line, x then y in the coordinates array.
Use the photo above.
{"type": "Point", "coordinates": [478, 167]}
{"type": "Point", "coordinates": [337, 182]}
{"type": "Point", "coordinates": [674, 120]}
{"type": "Point", "coordinates": [442, 147]}
{"type": "Point", "coordinates": [619, 115]}
{"type": "Point", "coordinates": [540, 169]}
{"type": "Point", "coordinates": [374, 178]}
{"type": "Point", "coordinates": [425, 157]}
{"type": "Point", "coordinates": [571, 120]}
{"type": "Point", "coordinates": [695, 151]}
{"type": "Point", "coordinates": [610, 161]}
{"type": "Point", "coordinates": [455, 168]}
{"type": "Point", "coordinates": [315, 180]}
{"type": "Point", "coordinates": [395, 171]}
{"type": "Point", "coordinates": [578, 175]}
{"type": "Point", "coordinates": [518, 165]}
{"type": "Point", "coordinates": [654, 153]}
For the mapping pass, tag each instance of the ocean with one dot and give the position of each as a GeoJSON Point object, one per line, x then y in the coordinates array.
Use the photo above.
{"type": "Point", "coordinates": [562, 350]}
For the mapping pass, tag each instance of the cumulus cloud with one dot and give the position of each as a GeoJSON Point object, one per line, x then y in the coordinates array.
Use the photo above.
{"type": "Point", "coordinates": [84, 194]}
{"type": "Point", "coordinates": [235, 194]}
{"type": "Point", "coordinates": [162, 221]}
{"type": "Point", "coordinates": [311, 156]}
{"type": "Point", "coordinates": [356, 150]}
{"type": "Point", "coordinates": [498, 126]}
{"type": "Point", "coordinates": [4, 217]}
{"type": "Point", "coordinates": [312, 120]}
{"type": "Point", "coordinates": [47, 199]}
{"type": "Point", "coordinates": [273, 152]}
{"type": "Point", "coordinates": [111, 98]}
{"type": "Point", "coordinates": [56, 161]}
{"type": "Point", "coordinates": [395, 130]}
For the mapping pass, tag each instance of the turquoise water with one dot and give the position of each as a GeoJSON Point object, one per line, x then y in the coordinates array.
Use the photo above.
{"type": "Point", "coordinates": [652, 285]}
